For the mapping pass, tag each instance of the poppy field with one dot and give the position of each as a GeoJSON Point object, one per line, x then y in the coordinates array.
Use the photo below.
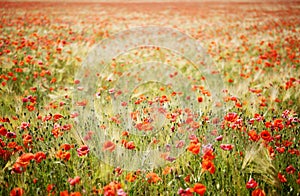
{"type": "Point", "coordinates": [150, 121]}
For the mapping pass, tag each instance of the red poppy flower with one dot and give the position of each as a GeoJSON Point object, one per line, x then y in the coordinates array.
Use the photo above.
{"type": "Point", "coordinates": [152, 177]}
{"type": "Point", "coordinates": [125, 133]}
{"type": "Point", "coordinates": [35, 180]}
{"type": "Point", "coordinates": [280, 149]}
{"type": "Point", "coordinates": [3, 131]}
{"type": "Point", "coordinates": [83, 150]}
{"type": "Point", "coordinates": [199, 189]}
{"type": "Point", "coordinates": [27, 139]}
{"type": "Point", "coordinates": [226, 146]}
{"type": "Point", "coordinates": [287, 143]}
{"type": "Point", "coordinates": [109, 145]}
{"type": "Point", "coordinates": [10, 135]}
{"type": "Point", "coordinates": [194, 148]}
{"type": "Point", "coordinates": [63, 155]}
{"type": "Point", "coordinates": [231, 117]}
{"type": "Point", "coordinates": [129, 145]}
{"type": "Point", "coordinates": [253, 135]}
{"type": "Point", "coordinates": [74, 181]}
{"type": "Point", "coordinates": [30, 108]}
{"type": "Point", "coordinates": [290, 169]}
{"type": "Point", "coordinates": [66, 127]}
{"type": "Point", "coordinates": [185, 192]}
{"type": "Point", "coordinates": [109, 191]}
{"type": "Point", "coordinates": [268, 124]}
{"type": "Point", "coordinates": [50, 187]}
{"type": "Point", "coordinates": [56, 132]}
{"type": "Point", "coordinates": [4, 120]}
{"type": "Point", "coordinates": [25, 159]}
{"type": "Point", "coordinates": [278, 124]}
{"type": "Point", "coordinates": [11, 145]}
{"type": "Point", "coordinates": [282, 178]}
{"type": "Point", "coordinates": [258, 192]}
{"type": "Point", "coordinates": [208, 155]}
{"type": "Point", "coordinates": [187, 178]}
{"type": "Point", "coordinates": [130, 177]}
{"type": "Point", "coordinates": [208, 165]}
{"type": "Point", "coordinates": [39, 156]}
{"type": "Point", "coordinates": [265, 135]}
{"type": "Point", "coordinates": [56, 117]}
{"type": "Point", "coordinates": [144, 126]}
{"type": "Point", "coordinates": [219, 138]}
{"type": "Point", "coordinates": [251, 184]}
{"type": "Point", "coordinates": [75, 194]}
{"type": "Point", "coordinates": [76, 81]}
{"type": "Point", "coordinates": [16, 192]}
{"type": "Point", "coordinates": [66, 147]}
{"type": "Point", "coordinates": [24, 125]}
{"type": "Point", "coordinates": [17, 168]}
{"type": "Point", "coordinates": [200, 99]}
{"type": "Point", "coordinates": [112, 189]}
{"type": "Point", "coordinates": [81, 103]}
{"type": "Point", "coordinates": [64, 193]}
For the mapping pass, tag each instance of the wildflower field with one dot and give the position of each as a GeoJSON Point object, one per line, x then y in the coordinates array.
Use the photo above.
{"type": "Point", "coordinates": [239, 136]}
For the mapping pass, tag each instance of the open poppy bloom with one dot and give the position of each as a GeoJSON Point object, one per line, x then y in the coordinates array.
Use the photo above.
{"type": "Point", "coordinates": [251, 184]}
{"type": "Point", "coordinates": [231, 117]}
{"type": "Point", "coordinates": [258, 192]}
{"type": "Point", "coordinates": [109, 145]}
{"type": "Point", "coordinates": [16, 192]}
{"type": "Point", "coordinates": [74, 181]}
{"type": "Point", "coordinates": [83, 150]}
{"type": "Point", "coordinates": [66, 147]}
{"type": "Point", "coordinates": [56, 117]}
{"type": "Point", "coordinates": [265, 135]}
{"type": "Point", "coordinates": [63, 155]}
{"type": "Point", "coordinates": [185, 192]}
{"type": "Point", "coordinates": [290, 169]}
{"type": "Point", "coordinates": [199, 189]}
{"type": "Point", "coordinates": [226, 146]}
{"type": "Point", "coordinates": [113, 189]}
{"type": "Point", "coordinates": [130, 177]}
{"type": "Point", "coordinates": [152, 177]}
{"type": "Point", "coordinates": [25, 159]}
{"type": "Point", "coordinates": [194, 147]}
{"type": "Point", "coordinates": [39, 156]}
{"type": "Point", "coordinates": [208, 155]}
{"type": "Point", "coordinates": [253, 136]}
{"type": "Point", "coordinates": [282, 178]}
{"type": "Point", "coordinates": [27, 139]}
{"type": "Point", "coordinates": [208, 165]}
{"type": "Point", "coordinates": [129, 145]}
